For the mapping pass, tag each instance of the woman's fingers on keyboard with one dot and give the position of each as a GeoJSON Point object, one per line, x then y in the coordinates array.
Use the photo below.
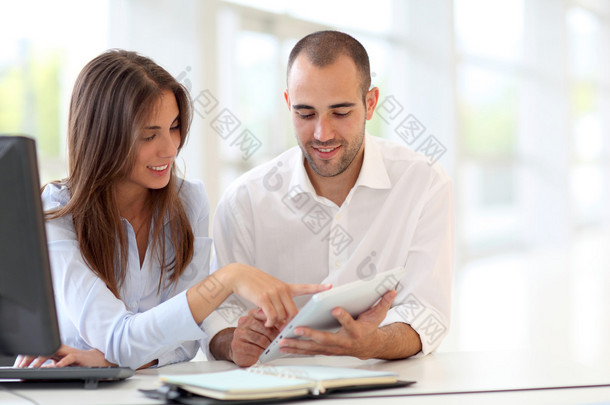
{"type": "Point", "coordinates": [68, 360]}
{"type": "Point", "coordinates": [86, 358]}
{"type": "Point", "coordinates": [18, 360]}
{"type": "Point", "coordinates": [23, 361]}
{"type": "Point", "coordinates": [39, 361]}
{"type": "Point", "coordinates": [65, 356]}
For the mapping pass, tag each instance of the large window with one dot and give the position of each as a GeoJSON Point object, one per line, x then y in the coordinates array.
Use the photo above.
{"type": "Point", "coordinates": [589, 95]}
{"type": "Point", "coordinates": [42, 49]}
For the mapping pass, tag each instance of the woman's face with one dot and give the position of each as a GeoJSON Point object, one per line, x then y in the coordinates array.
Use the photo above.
{"type": "Point", "coordinates": [156, 147]}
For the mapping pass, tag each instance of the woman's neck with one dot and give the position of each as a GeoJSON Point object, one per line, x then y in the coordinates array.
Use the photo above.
{"type": "Point", "coordinates": [132, 203]}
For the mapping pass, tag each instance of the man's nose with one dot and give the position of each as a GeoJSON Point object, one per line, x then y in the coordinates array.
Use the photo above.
{"type": "Point", "coordinates": [324, 130]}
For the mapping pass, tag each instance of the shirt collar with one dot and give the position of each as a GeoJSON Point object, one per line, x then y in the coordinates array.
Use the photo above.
{"type": "Point", "coordinates": [373, 173]}
{"type": "Point", "coordinates": [299, 181]}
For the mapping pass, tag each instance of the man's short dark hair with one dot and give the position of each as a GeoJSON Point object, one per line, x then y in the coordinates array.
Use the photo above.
{"type": "Point", "coordinates": [323, 47]}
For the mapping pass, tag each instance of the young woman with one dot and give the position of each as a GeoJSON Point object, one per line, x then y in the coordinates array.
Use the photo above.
{"type": "Point", "coordinates": [128, 239]}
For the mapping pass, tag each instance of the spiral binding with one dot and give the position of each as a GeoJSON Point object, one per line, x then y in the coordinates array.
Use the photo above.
{"type": "Point", "coordinates": [285, 372]}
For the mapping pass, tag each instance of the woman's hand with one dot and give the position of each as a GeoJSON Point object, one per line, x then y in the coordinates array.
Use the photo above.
{"type": "Point", "coordinates": [66, 356]}
{"type": "Point", "coordinates": [273, 296]}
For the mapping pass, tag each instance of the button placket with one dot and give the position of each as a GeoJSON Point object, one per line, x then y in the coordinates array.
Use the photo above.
{"type": "Point", "coordinates": [338, 241]}
{"type": "Point", "coordinates": [134, 274]}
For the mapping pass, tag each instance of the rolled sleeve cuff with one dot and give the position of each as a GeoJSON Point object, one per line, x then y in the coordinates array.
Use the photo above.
{"type": "Point", "coordinates": [225, 316]}
{"type": "Point", "coordinates": [185, 352]}
{"type": "Point", "coordinates": [429, 325]}
{"type": "Point", "coordinates": [167, 358]}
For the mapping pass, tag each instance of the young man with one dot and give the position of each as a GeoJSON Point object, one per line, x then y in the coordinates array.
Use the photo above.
{"type": "Point", "coordinates": [340, 207]}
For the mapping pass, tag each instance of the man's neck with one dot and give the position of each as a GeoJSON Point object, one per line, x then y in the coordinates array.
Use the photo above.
{"type": "Point", "coordinates": [336, 188]}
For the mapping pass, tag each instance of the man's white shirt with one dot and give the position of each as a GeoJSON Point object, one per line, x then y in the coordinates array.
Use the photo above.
{"type": "Point", "coordinates": [399, 213]}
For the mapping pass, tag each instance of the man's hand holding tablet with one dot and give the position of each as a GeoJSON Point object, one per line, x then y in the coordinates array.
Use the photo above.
{"type": "Point", "coordinates": [313, 329]}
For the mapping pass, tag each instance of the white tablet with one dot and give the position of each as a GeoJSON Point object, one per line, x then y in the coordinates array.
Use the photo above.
{"type": "Point", "coordinates": [355, 297]}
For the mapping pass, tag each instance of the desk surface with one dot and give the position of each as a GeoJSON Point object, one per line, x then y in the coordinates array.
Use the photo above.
{"type": "Point", "coordinates": [461, 377]}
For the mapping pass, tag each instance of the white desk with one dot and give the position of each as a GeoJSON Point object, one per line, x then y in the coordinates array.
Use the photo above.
{"type": "Point", "coordinates": [506, 377]}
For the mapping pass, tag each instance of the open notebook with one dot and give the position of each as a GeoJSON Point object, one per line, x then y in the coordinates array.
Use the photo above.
{"type": "Point", "coordinates": [277, 382]}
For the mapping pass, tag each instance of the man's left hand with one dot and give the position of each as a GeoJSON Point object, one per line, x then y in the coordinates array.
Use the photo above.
{"type": "Point", "coordinates": [357, 337]}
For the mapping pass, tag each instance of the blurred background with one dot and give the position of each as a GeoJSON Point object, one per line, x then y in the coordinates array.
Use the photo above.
{"type": "Point", "coordinates": [511, 97]}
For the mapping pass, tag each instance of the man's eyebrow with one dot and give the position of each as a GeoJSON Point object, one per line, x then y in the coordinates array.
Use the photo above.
{"type": "Point", "coordinates": [330, 107]}
{"type": "Point", "coordinates": [340, 105]}
{"type": "Point", "coordinates": [302, 107]}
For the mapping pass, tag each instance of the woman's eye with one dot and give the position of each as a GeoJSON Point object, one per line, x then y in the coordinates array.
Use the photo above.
{"type": "Point", "coordinates": [150, 138]}
{"type": "Point", "coordinates": [175, 127]}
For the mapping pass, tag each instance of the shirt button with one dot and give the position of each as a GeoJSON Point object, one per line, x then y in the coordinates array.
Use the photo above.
{"type": "Point", "coordinates": [337, 264]}
{"type": "Point", "coordinates": [338, 217]}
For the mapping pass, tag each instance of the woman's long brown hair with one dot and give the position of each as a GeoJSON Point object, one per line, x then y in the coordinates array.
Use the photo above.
{"type": "Point", "coordinates": [113, 95]}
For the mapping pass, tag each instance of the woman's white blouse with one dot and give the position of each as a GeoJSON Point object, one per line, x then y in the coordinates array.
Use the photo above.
{"type": "Point", "coordinates": [145, 324]}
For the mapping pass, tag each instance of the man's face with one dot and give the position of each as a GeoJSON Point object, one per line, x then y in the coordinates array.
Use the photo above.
{"type": "Point", "coordinates": [328, 112]}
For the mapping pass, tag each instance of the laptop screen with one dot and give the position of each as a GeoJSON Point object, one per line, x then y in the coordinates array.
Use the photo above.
{"type": "Point", "coordinates": [28, 323]}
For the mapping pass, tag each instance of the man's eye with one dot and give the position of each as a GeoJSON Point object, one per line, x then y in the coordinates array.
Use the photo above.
{"type": "Point", "coordinates": [305, 116]}
{"type": "Point", "coordinates": [342, 115]}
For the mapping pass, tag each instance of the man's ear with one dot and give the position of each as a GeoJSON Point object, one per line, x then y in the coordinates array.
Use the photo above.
{"type": "Point", "coordinates": [372, 96]}
{"type": "Point", "coordinates": [287, 98]}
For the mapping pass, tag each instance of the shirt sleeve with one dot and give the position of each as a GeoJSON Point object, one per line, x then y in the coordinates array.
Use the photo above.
{"type": "Point", "coordinates": [233, 243]}
{"type": "Point", "coordinates": [232, 230]}
{"type": "Point", "coordinates": [104, 322]}
{"type": "Point", "coordinates": [425, 304]}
